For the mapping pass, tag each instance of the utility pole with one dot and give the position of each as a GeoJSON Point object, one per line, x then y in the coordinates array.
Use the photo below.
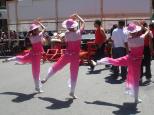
{"type": "Point", "coordinates": [57, 19]}
{"type": "Point", "coordinates": [101, 9]}
{"type": "Point", "coordinates": [17, 20]}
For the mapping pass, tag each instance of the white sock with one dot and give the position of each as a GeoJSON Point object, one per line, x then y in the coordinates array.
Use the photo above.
{"type": "Point", "coordinates": [50, 73]}
{"type": "Point", "coordinates": [103, 61]}
{"type": "Point", "coordinates": [12, 59]}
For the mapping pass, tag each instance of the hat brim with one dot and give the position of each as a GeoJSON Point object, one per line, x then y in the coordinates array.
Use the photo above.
{"type": "Point", "coordinates": [74, 25]}
{"type": "Point", "coordinates": [138, 28]}
{"type": "Point", "coordinates": [37, 26]}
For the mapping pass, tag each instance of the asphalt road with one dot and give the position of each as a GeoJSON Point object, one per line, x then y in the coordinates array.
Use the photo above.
{"type": "Point", "coordinates": [97, 93]}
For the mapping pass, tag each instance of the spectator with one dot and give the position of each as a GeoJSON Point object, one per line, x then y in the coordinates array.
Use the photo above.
{"type": "Point", "coordinates": [148, 49]}
{"type": "Point", "coordinates": [120, 48]}
{"type": "Point", "coordinates": [100, 40]}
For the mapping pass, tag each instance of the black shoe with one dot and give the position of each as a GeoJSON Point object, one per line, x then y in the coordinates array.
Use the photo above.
{"type": "Point", "coordinates": [148, 81]}
{"type": "Point", "coordinates": [107, 67]}
{"type": "Point", "coordinates": [43, 81]}
{"type": "Point", "coordinates": [92, 67]}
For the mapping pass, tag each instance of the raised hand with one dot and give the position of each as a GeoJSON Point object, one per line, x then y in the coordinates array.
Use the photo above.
{"type": "Point", "coordinates": [73, 16]}
{"type": "Point", "coordinates": [37, 21]}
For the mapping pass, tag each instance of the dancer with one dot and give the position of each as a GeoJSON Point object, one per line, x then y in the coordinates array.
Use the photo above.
{"type": "Point", "coordinates": [34, 56]}
{"type": "Point", "coordinates": [132, 60]}
{"type": "Point", "coordinates": [71, 55]}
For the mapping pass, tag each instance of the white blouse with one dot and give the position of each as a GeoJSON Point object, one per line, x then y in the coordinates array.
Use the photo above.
{"type": "Point", "coordinates": [136, 42]}
{"type": "Point", "coordinates": [37, 38]}
{"type": "Point", "coordinates": [73, 36]}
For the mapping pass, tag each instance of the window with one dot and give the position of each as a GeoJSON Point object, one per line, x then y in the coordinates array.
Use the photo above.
{"type": "Point", "coordinates": [2, 4]}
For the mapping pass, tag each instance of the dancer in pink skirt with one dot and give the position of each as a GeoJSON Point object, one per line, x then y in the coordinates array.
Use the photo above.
{"type": "Point", "coordinates": [71, 55]}
{"type": "Point", "coordinates": [132, 60]}
{"type": "Point", "coordinates": [34, 56]}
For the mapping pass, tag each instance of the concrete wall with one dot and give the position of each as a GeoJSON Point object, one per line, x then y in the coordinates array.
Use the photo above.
{"type": "Point", "coordinates": [27, 10]}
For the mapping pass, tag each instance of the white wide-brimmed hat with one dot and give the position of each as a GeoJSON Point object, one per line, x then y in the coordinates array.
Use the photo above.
{"type": "Point", "coordinates": [33, 27]}
{"type": "Point", "coordinates": [70, 23]}
{"type": "Point", "coordinates": [133, 28]}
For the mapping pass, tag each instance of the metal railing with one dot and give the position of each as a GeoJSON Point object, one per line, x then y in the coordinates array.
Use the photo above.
{"type": "Point", "coordinates": [56, 25]}
{"type": "Point", "coordinates": [51, 28]}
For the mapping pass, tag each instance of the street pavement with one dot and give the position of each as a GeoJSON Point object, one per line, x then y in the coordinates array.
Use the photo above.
{"type": "Point", "coordinates": [98, 93]}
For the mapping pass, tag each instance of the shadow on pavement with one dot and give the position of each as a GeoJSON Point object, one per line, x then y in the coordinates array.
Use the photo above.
{"type": "Point", "coordinates": [146, 83]}
{"type": "Point", "coordinates": [57, 104]}
{"type": "Point", "coordinates": [95, 71]}
{"type": "Point", "coordinates": [125, 109]}
{"type": "Point", "coordinates": [110, 79]}
{"type": "Point", "coordinates": [21, 97]}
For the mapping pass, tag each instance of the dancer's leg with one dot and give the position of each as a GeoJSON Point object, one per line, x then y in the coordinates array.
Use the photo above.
{"type": "Point", "coordinates": [136, 97]}
{"type": "Point", "coordinates": [133, 77]}
{"type": "Point", "coordinates": [56, 67]}
{"type": "Point", "coordinates": [10, 59]}
{"type": "Point", "coordinates": [36, 72]}
{"type": "Point", "coordinates": [74, 67]}
{"type": "Point", "coordinates": [22, 59]}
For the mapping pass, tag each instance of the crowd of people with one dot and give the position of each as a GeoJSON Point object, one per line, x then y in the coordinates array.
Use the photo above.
{"type": "Point", "coordinates": [5, 35]}
{"type": "Point", "coordinates": [130, 48]}
{"type": "Point", "coordinates": [9, 42]}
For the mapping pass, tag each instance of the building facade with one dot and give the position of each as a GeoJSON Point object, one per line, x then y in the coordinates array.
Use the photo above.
{"type": "Point", "coordinates": [3, 16]}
